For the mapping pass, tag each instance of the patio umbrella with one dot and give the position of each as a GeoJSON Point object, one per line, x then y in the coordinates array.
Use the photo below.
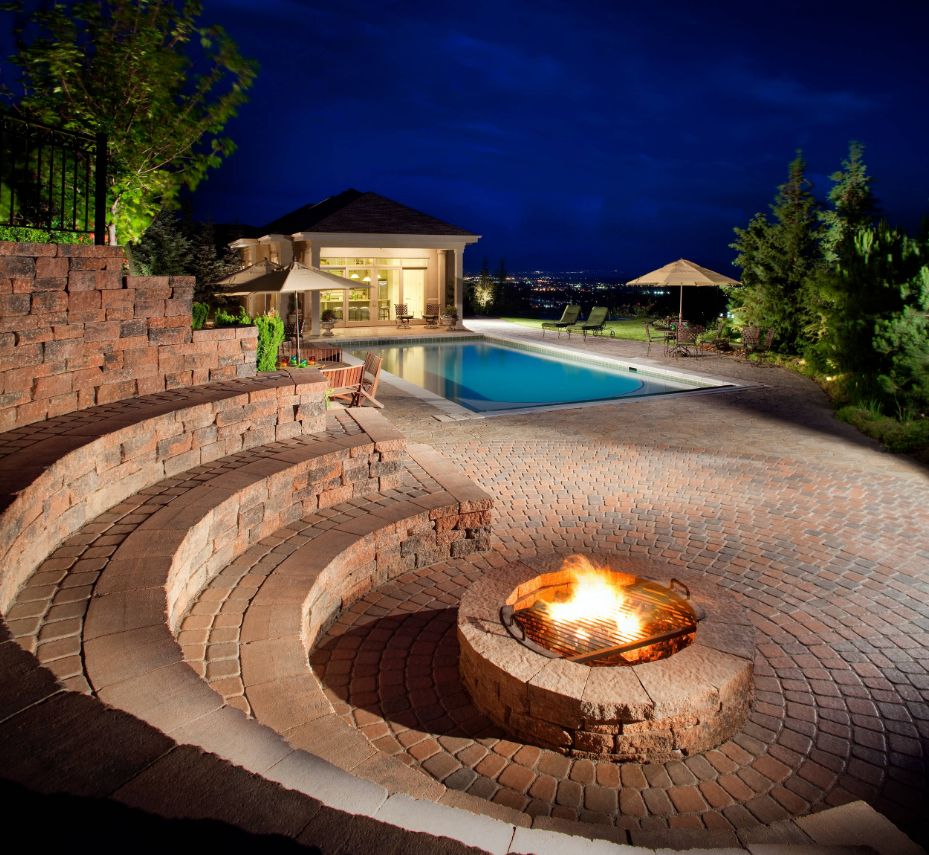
{"type": "Point", "coordinates": [266, 277]}
{"type": "Point", "coordinates": [684, 274]}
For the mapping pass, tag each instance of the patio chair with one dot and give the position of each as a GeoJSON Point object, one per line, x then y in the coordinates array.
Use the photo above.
{"type": "Point", "coordinates": [655, 332]}
{"type": "Point", "coordinates": [594, 324]}
{"type": "Point", "coordinates": [431, 315]}
{"type": "Point", "coordinates": [355, 384]}
{"type": "Point", "coordinates": [687, 341]}
{"type": "Point", "coordinates": [568, 317]}
{"type": "Point", "coordinates": [402, 315]}
{"type": "Point", "coordinates": [765, 341]}
{"type": "Point", "coordinates": [750, 338]}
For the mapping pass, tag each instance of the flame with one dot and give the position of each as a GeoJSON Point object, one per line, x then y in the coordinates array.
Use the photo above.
{"type": "Point", "coordinates": [595, 596]}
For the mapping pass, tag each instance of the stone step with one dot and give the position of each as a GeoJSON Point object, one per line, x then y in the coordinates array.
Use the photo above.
{"type": "Point", "coordinates": [59, 474]}
{"type": "Point", "coordinates": [134, 540]}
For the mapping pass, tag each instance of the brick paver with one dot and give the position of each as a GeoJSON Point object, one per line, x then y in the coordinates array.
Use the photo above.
{"type": "Point", "coordinates": [820, 536]}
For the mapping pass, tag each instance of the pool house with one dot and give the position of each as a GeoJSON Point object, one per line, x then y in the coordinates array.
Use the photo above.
{"type": "Point", "coordinates": [395, 254]}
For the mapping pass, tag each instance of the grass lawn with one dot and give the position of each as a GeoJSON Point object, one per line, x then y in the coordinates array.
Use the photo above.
{"type": "Point", "coordinates": [633, 330]}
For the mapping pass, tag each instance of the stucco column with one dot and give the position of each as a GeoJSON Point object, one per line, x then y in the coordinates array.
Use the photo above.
{"type": "Point", "coordinates": [459, 284]}
{"type": "Point", "coordinates": [441, 278]}
{"type": "Point", "coordinates": [314, 295]}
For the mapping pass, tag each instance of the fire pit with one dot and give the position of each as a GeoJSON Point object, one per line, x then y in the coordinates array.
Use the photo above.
{"type": "Point", "coordinates": [596, 662]}
{"type": "Point", "coordinates": [600, 617]}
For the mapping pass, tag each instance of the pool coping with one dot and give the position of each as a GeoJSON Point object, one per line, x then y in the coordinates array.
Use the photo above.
{"type": "Point", "coordinates": [452, 411]}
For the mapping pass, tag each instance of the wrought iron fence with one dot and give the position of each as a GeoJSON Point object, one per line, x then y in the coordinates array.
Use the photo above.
{"type": "Point", "coordinates": [52, 179]}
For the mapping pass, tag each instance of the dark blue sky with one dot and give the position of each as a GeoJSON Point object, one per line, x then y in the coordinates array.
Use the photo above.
{"type": "Point", "coordinates": [574, 133]}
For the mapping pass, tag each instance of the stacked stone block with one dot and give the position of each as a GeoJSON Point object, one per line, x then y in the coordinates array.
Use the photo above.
{"type": "Point", "coordinates": [76, 331]}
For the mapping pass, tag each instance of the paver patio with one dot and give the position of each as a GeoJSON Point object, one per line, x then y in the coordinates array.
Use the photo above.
{"type": "Point", "coordinates": [820, 534]}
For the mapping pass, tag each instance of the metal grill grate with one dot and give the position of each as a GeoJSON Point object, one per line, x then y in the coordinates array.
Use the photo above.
{"type": "Point", "coordinates": [668, 623]}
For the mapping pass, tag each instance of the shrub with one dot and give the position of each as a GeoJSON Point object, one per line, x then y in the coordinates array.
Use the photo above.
{"type": "Point", "coordinates": [227, 319]}
{"type": "Point", "coordinates": [907, 435]}
{"type": "Point", "coordinates": [200, 311]}
{"type": "Point", "coordinates": [270, 336]}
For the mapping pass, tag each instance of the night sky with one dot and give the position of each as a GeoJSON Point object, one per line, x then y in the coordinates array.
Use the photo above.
{"type": "Point", "coordinates": [582, 134]}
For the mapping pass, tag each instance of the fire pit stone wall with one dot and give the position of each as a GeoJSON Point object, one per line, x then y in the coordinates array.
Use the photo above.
{"type": "Point", "coordinates": [653, 711]}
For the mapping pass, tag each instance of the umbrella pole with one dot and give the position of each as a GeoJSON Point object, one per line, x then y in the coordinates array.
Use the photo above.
{"type": "Point", "coordinates": [680, 309]}
{"type": "Point", "coordinates": [297, 330]}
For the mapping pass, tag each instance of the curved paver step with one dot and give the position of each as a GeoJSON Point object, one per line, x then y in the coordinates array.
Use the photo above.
{"type": "Point", "coordinates": [135, 540]}
{"type": "Point", "coordinates": [57, 475]}
{"type": "Point", "coordinates": [250, 631]}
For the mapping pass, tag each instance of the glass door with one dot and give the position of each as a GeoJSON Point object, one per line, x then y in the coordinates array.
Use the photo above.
{"type": "Point", "coordinates": [414, 291]}
{"type": "Point", "coordinates": [359, 299]}
{"type": "Point", "coordinates": [388, 293]}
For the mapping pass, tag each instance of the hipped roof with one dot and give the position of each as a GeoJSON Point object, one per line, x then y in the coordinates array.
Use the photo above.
{"type": "Point", "coordinates": [354, 212]}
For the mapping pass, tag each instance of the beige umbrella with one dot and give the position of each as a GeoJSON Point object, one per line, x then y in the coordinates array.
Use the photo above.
{"type": "Point", "coordinates": [683, 274]}
{"type": "Point", "coordinates": [266, 277]}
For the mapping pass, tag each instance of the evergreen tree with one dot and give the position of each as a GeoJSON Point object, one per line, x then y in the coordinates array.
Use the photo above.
{"type": "Point", "coordinates": [853, 207]}
{"type": "Point", "coordinates": [853, 203]}
{"type": "Point", "coordinates": [777, 258]}
{"type": "Point", "coordinates": [171, 247]}
{"type": "Point", "coordinates": [878, 335]}
{"type": "Point", "coordinates": [208, 261]}
{"type": "Point", "coordinates": [164, 249]}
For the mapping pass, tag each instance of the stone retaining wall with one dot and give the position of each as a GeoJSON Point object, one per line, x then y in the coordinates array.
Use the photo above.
{"type": "Point", "coordinates": [75, 331]}
{"type": "Point", "coordinates": [55, 485]}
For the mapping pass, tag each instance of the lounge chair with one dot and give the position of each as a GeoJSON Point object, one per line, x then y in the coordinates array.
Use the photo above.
{"type": "Point", "coordinates": [356, 383]}
{"type": "Point", "coordinates": [594, 324]}
{"type": "Point", "coordinates": [568, 318]}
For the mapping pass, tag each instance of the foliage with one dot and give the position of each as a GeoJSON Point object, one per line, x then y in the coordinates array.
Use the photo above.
{"type": "Point", "coordinates": [159, 84]}
{"type": "Point", "coordinates": [328, 315]}
{"type": "Point", "coordinates": [164, 249]}
{"type": "Point", "coordinates": [270, 336]}
{"type": "Point", "coordinates": [853, 203]}
{"type": "Point", "coordinates": [172, 247]}
{"type": "Point", "coordinates": [224, 318]}
{"type": "Point", "coordinates": [879, 334]}
{"type": "Point", "coordinates": [21, 234]}
{"type": "Point", "coordinates": [777, 258]}
{"type": "Point", "coordinates": [907, 436]}
{"type": "Point", "coordinates": [450, 311]}
{"type": "Point", "coordinates": [200, 312]}
{"type": "Point", "coordinates": [480, 294]}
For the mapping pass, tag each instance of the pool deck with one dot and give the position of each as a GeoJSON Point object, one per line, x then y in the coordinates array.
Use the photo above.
{"type": "Point", "coordinates": [819, 533]}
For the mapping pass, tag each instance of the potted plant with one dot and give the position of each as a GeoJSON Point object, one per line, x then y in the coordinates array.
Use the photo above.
{"type": "Point", "coordinates": [328, 320]}
{"type": "Point", "coordinates": [450, 316]}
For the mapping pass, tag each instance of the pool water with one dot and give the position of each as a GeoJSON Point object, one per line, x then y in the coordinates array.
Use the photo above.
{"type": "Point", "coordinates": [487, 377]}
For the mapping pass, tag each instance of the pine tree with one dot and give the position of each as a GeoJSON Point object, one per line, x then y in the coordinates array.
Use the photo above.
{"type": "Point", "coordinates": [854, 206]}
{"type": "Point", "coordinates": [777, 258]}
{"type": "Point", "coordinates": [878, 337]}
{"type": "Point", "coordinates": [853, 203]}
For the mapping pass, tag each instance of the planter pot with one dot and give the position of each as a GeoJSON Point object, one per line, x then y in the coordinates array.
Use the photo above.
{"type": "Point", "coordinates": [327, 327]}
{"type": "Point", "coordinates": [450, 321]}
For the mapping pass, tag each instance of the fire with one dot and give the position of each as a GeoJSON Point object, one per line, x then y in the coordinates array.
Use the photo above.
{"type": "Point", "coordinates": [594, 596]}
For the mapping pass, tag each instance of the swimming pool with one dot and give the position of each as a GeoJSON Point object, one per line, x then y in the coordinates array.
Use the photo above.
{"type": "Point", "coordinates": [489, 377]}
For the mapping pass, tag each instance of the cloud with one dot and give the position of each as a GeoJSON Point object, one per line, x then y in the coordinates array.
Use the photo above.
{"type": "Point", "coordinates": [815, 103]}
